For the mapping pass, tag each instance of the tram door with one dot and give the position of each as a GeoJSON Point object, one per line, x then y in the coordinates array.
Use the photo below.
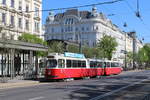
{"type": "Point", "coordinates": [61, 65]}
{"type": "Point", "coordinates": [42, 66]}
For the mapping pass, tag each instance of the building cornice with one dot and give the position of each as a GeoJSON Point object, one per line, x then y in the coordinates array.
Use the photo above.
{"type": "Point", "coordinates": [39, 1]}
{"type": "Point", "coordinates": [3, 7]}
{"type": "Point", "coordinates": [37, 18]}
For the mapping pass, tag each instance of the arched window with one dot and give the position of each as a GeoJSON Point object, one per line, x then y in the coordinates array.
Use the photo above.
{"type": "Point", "coordinates": [69, 21]}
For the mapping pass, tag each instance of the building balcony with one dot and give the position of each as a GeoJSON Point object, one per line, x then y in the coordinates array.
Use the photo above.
{"type": "Point", "coordinates": [27, 15]}
{"type": "Point", "coordinates": [13, 10]}
{"type": "Point", "coordinates": [4, 7]}
{"type": "Point", "coordinates": [37, 18]}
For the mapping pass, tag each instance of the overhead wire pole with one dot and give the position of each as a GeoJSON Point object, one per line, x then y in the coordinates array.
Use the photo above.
{"type": "Point", "coordinates": [134, 48]}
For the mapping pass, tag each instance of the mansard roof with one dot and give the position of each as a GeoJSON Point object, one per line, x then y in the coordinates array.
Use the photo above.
{"type": "Point", "coordinates": [81, 14]}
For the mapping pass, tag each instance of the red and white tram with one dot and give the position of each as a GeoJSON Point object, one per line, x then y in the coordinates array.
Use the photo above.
{"type": "Point", "coordinates": [70, 65]}
{"type": "Point", "coordinates": [112, 67]}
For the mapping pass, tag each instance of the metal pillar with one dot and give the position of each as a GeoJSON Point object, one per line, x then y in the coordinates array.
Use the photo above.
{"type": "Point", "coordinates": [30, 64]}
{"type": "Point", "coordinates": [23, 63]}
{"type": "Point", "coordinates": [8, 65]}
{"type": "Point", "coordinates": [12, 72]}
{"type": "Point", "coordinates": [80, 43]}
{"type": "Point", "coordinates": [30, 57]}
{"type": "Point", "coordinates": [36, 67]}
{"type": "Point", "coordinates": [125, 52]}
{"type": "Point", "coordinates": [2, 63]}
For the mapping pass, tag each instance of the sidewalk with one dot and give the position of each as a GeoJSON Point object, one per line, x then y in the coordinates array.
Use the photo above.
{"type": "Point", "coordinates": [19, 83]}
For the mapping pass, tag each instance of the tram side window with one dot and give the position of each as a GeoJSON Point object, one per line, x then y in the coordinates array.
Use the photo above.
{"type": "Point", "coordinates": [83, 64]}
{"type": "Point", "coordinates": [115, 65]}
{"type": "Point", "coordinates": [91, 64]}
{"type": "Point", "coordinates": [52, 63]}
{"type": "Point", "coordinates": [69, 64]}
{"type": "Point", "coordinates": [79, 64]}
{"type": "Point", "coordinates": [75, 63]}
{"type": "Point", "coordinates": [108, 64]}
{"type": "Point", "coordinates": [100, 65]}
{"type": "Point", "coordinates": [112, 64]}
{"type": "Point", "coordinates": [104, 65]}
{"type": "Point", "coordinates": [96, 64]}
{"type": "Point", "coordinates": [61, 63]}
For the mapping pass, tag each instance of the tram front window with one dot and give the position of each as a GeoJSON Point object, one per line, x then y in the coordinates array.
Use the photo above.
{"type": "Point", "coordinates": [52, 63]}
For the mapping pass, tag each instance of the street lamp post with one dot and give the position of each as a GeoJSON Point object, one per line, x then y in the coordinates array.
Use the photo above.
{"type": "Point", "coordinates": [133, 34]}
{"type": "Point", "coordinates": [125, 52]}
{"type": "Point", "coordinates": [80, 43]}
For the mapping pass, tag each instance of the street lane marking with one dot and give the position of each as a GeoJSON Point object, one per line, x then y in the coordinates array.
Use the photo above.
{"type": "Point", "coordinates": [110, 93]}
{"type": "Point", "coordinates": [36, 98]}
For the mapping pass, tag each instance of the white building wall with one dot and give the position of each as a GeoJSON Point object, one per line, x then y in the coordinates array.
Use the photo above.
{"type": "Point", "coordinates": [90, 31]}
{"type": "Point", "coordinates": [14, 11]}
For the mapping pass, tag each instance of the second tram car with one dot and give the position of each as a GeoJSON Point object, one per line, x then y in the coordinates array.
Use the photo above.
{"type": "Point", "coordinates": [70, 65]}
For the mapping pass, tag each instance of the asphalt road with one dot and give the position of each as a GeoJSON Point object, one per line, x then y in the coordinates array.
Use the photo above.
{"type": "Point", "coordinates": [133, 85]}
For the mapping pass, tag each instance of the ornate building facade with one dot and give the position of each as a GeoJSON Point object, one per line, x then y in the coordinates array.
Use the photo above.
{"type": "Point", "coordinates": [20, 16]}
{"type": "Point", "coordinates": [87, 27]}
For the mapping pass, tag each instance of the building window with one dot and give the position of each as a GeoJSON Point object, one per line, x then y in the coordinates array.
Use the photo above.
{"type": "Point", "coordinates": [20, 22]}
{"type": "Point", "coordinates": [4, 18]}
{"type": "Point", "coordinates": [20, 5]}
{"type": "Point", "coordinates": [36, 14]}
{"type": "Point", "coordinates": [52, 30]}
{"type": "Point", "coordinates": [36, 26]}
{"type": "Point", "coordinates": [4, 2]}
{"type": "Point", "coordinates": [87, 28]}
{"type": "Point", "coordinates": [27, 25]}
{"type": "Point", "coordinates": [96, 27]}
{"type": "Point", "coordinates": [94, 44]}
{"type": "Point", "coordinates": [27, 8]}
{"type": "Point", "coordinates": [76, 29]}
{"type": "Point", "coordinates": [12, 3]}
{"type": "Point", "coordinates": [69, 21]}
{"type": "Point", "coordinates": [62, 30]}
{"type": "Point", "coordinates": [12, 21]}
{"type": "Point", "coordinates": [82, 28]}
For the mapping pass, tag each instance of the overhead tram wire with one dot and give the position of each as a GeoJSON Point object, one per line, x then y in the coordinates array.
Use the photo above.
{"type": "Point", "coordinates": [82, 6]}
{"type": "Point", "coordinates": [137, 15]}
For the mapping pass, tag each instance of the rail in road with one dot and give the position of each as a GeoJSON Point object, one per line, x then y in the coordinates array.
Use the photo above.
{"type": "Point", "coordinates": [126, 86]}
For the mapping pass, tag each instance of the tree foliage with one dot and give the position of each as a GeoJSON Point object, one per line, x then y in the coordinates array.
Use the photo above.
{"type": "Point", "coordinates": [56, 47]}
{"type": "Point", "coordinates": [143, 56]}
{"type": "Point", "coordinates": [31, 38]}
{"type": "Point", "coordinates": [107, 46]}
{"type": "Point", "coordinates": [73, 48]}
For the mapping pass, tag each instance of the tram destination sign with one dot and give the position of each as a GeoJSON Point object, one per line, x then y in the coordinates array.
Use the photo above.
{"type": "Point", "coordinates": [74, 55]}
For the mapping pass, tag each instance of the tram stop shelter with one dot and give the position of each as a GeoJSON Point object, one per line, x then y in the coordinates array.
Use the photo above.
{"type": "Point", "coordinates": [19, 58]}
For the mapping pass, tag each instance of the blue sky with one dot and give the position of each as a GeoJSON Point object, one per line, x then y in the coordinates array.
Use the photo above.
{"type": "Point", "coordinates": [123, 13]}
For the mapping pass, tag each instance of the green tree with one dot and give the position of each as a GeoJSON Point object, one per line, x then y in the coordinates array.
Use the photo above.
{"type": "Point", "coordinates": [73, 48]}
{"type": "Point", "coordinates": [143, 56]}
{"type": "Point", "coordinates": [92, 52]}
{"type": "Point", "coordinates": [129, 57]}
{"type": "Point", "coordinates": [107, 45]}
{"type": "Point", "coordinates": [57, 47]}
{"type": "Point", "coordinates": [31, 38]}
